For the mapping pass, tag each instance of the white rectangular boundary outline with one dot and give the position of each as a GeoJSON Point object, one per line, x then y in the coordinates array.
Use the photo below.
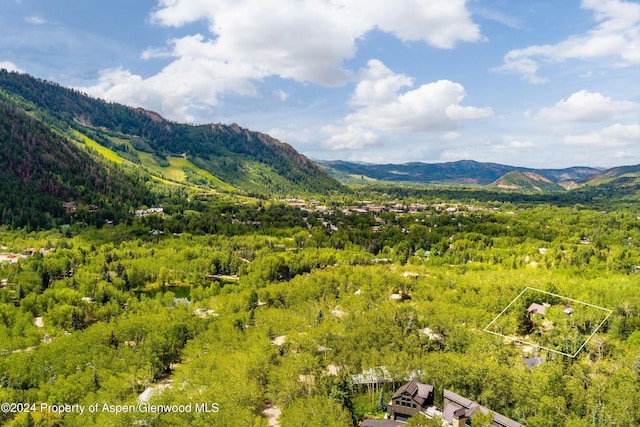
{"type": "Point", "coordinates": [538, 345]}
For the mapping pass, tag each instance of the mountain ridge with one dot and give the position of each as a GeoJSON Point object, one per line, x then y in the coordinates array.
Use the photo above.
{"type": "Point", "coordinates": [458, 172]}
{"type": "Point", "coordinates": [229, 158]}
{"type": "Point", "coordinates": [249, 161]}
{"type": "Point", "coordinates": [525, 181]}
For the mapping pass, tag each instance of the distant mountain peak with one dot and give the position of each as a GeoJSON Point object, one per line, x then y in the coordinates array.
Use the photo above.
{"type": "Point", "coordinates": [516, 180]}
{"type": "Point", "coordinates": [157, 118]}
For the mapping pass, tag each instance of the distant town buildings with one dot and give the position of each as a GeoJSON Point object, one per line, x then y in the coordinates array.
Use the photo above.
{"type": "Point", "coordinates": [366, 206]}
{"type": "Point", "coordinates": [13, 258]}
{"type": "Point", "coordinates": [149, 211]}
{"type": "Point", "coordinates": [72, 207]}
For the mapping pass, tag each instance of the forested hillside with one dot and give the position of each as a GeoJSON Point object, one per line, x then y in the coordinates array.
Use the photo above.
{"type": "Point", "coordinates": [250, 161]}
{"type": "Point", "coordinates": [622, 181]}
{"type": "Point", "coordinates": [525, 181]}
{"type": "Point", "coordinates": [41, 170]}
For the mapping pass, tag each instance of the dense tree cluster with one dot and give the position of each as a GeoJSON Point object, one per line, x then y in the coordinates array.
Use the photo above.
{"type": "Point", "coordinates": [241, 304]}
{"type": "Point", "coordinates": [43, 170]}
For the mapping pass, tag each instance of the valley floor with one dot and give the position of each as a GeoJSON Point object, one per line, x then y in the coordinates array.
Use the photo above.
{"type": "Point", "coordinates": [322, 315]}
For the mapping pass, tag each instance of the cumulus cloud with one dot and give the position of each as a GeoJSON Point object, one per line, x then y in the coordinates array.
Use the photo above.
{"type": "Point", "coordinates": [191, 82]}
{"type": "Point", "coordinates": [121, 85]}
{"type": "Point", "coordinates": [584, 106]}
{"type": "Point", "coordinates": [35, 20]}
{"type": "Point", "coordinates": [514, 146]}
{"type": "Point", "coordinates": [610, 136]}
{"type": "Point", "coordinates": [451, 136]}
{"type": "Point", "coordinates": [440, 24]}
{"type": "Point", "coordinates": [10, 66]}
{"type": "Point", "coordinates": [282, 95]}
{"type": "Point", "coordinates": [302, 40]}
{"type": "Point", "coordinates": [616, 38]}
{"type": "Point", "coordinates": [381, 106]}
{"type": "Point", "coordinates": [350, 137]}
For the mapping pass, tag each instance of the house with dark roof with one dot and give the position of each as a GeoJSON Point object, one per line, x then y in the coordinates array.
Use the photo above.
{"type": "Point", "coordinates": [458, 409]}
{"type": "Point", "coordinates": [416, 399]}
{"type": "Point", "coordinates": [409, 400]}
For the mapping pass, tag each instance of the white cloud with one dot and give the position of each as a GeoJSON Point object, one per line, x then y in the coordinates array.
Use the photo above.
{"type": "Point", "coordinates": [10, 66]}
{"type": "Point", "coordinates": [185, 84]}
{"type": "Point", "coordinates": [514, 146]}
{"type": "Point", "coordinates": [35, 20]}
{"type": "Point", "coordinates": [459, 112]}
{"type": "Point", "coordinates": [120, 84]}
{"type": "Point", "coordinates": [451, 136]}
{"type": "Point", "coordinates": [302, 40]}
{"type": "Point", "coordinates": [614, 135]}
{"type": "Point", "coordinates": [382, 107]}
{"type": "Point", "coordinates": [322, 22]}
{"type": "Point", "coordinates": [585, 106]}
{"type": "Point", "coordinates": [504, 19]}
{"type": "Point", "coordinates": [615, 38]}
{"type": "Point", "coordinates": [516, 61]}
{"type": "Point", "coordinates": [281, 94]}
{"type": "Point", "coordinates": [350, 137]}
{"type": "Point", "coordinates": [438, 23]}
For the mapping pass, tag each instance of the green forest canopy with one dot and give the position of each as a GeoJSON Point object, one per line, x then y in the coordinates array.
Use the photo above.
{"type": "Point", "coordinates": [241, 304]}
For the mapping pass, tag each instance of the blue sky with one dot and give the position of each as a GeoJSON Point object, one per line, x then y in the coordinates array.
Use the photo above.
{"type": "Point", "coordinates": [523, 82]}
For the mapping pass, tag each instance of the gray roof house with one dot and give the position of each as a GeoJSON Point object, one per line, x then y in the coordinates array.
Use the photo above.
{"type": "Point", "coordinates": [458, 409]}
{"type": "Point", "coordinates": [417, 399]}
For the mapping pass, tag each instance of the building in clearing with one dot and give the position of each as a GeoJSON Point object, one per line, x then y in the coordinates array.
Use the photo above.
{"type": "Point", "coordinates": [415, 399]}
{"type": "Point", "coordinates": [409, 400]}
{"type": "Point", "coordinates": [458, 409]}
{"type": "Point", "coordinates": [536, 308]}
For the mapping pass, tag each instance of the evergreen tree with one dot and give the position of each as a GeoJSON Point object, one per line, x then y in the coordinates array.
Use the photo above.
{"type": "Point", "coordinates": [382, 403]}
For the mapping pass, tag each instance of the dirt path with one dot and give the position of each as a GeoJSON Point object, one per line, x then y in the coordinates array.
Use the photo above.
{"type": "Point", "coordinates": [272, 412]}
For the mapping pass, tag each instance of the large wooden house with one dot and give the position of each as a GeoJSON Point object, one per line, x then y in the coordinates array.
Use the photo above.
{"type": "Point", "coordinates": [458, 409]}
{"type": "Point", "coordinates": [409, 400]}
{"type": "Point", "coordinates": [415, 399]}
